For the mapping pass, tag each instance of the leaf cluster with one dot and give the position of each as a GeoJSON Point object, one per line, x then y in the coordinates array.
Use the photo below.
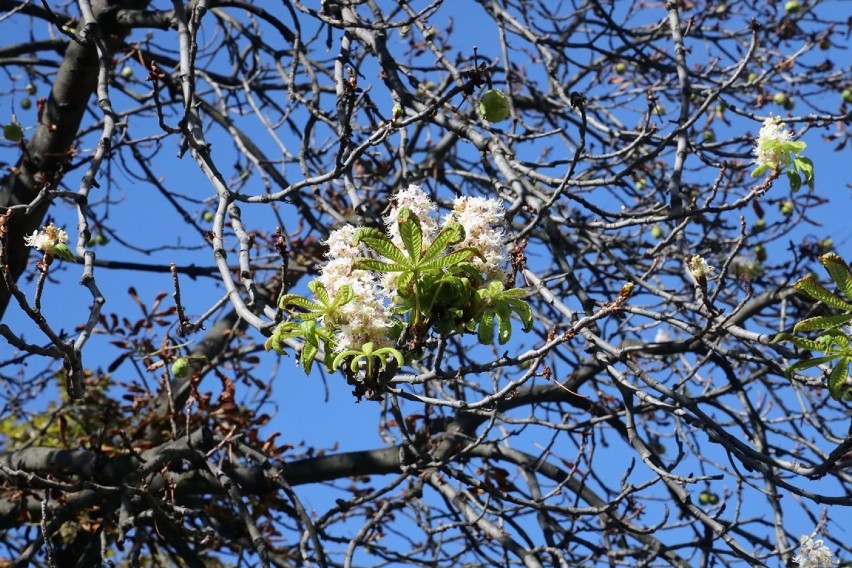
{"type": "Point", "coordinates": [833, 339]}
{"type": "Point", "coordinates": [799, 168]}
{"type": "Point", "coordinates": [437, 289]}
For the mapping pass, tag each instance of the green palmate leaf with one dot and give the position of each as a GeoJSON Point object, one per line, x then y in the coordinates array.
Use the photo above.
{"type": "Point", "coordinates": [839, 272]}
{"type": "Point", "coordinates": [485, 333]}
{"type": "Point", "coordinates": [309, 353]}
{"type": "Point", "coordinates": [284, 330]}
{"type": "Point", "coordinates": [833, 341]}
{"type": "Point", "coordinates": [370, 355]}
{"type": "Point", "coordinates": [62, 251]}
{"type": "Point", "coordinates": [794, 147]}
{"type": "Point", "coordinates": [822, 322]}
{"type": "Point", "coordinates": [795, 181]}
{"type": "Point", "coordinates": [411, 233]}
{"type": "Point", "coordinates": [810, 363]}
{"type": "Point", "coordinates": [450, 235]}
{"type": "Point", "coordinates": [801, 342]}
{"type": "Point", "coordinates": [805, 166]}
{"type": "Point", "coordinates": [343, 295]}
{"type": "Point", "coordinates": [504, 323]}
{"type": "Point", "coordinates": [810, 287]}
{"type": "Point", "coordinates": [838, 380]}
{"type": "Point", "coordinates": [377, 265]}
{"type": "Point", "coordinates": [318, 290]}
{"type": "Point", "coordinates": [760, 170]}
{"type": "Point", "coordinates": [380, 243]}
{"type": "Point", "coordinates": [448, 260]}
{"type": "Point", "coordinates": [524, 313]}
{"type": "Point", "coordinates": [299, 302]}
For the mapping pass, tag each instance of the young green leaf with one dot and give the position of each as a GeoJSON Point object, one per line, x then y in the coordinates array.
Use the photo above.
{"type": "Point", "coordinates": [450, 235]}
{"type": "Point", "coordinates": [411, 234]}
{"type": "Point", "coordinates": [839, 385]}
{"type": "Point", "coordinates": [839, 272]}
{"type": "Point", "coordinates": [795, 181]}
{"type": "Point", "coordinates": [809, 363]}
{"type": "Point", "coordinates": [380, 243]}
{"type": "Point", "coordinates": [822, 322]}
{"type": "Point", "coordinates": [810, 287]}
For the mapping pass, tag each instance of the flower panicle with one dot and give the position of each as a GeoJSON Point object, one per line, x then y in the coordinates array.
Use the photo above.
{"type": "Point", "coordinates": [813, 553]}
{"type": "Point", "coordinates": [51, 241]}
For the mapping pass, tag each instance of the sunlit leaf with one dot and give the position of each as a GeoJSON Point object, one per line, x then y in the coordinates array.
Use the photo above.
{"type": "Point", "coordinates": [839, 272]}
{"type": "Point", "coordinates": [377, 265]}
{"type": "Point", "coordinates": [486, 329]}
{"type": "Point", "coordinates": [380, 243]}
{"type": "Point", "coordinates": [411, 234]}
{"type": "Point", "coordinates": [809, 363]}
{"type": "Point", "coordinates": [838, 379]}
{"type": "Point", "coordinates": [822, 322]}
{"type": "Point", "coordinates": [810, 287]}
{"type": "Point", "coordinates": [450, 235]}
{"type": "Point", "coordinates": [297, 301]}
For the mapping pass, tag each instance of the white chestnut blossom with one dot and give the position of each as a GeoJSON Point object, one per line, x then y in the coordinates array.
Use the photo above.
{"type": "Point", "coordinates": [48, 239]}
{"type": "Point", "coordinates": [481, 219]}
{"type": "Point", "coordinates": [366, 317]}
{"type": "Point", "coordinates": [699, 268]}
{"type": "Point", "coordinates": [814, 553]}
{"type": "Point", "coordinates": [771, 131]}
{"type": "Point", "coordinates": [418, 201]}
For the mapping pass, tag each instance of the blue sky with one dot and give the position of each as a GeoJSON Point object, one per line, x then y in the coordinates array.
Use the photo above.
{"type": "Point", "coordinates": [301, 412]}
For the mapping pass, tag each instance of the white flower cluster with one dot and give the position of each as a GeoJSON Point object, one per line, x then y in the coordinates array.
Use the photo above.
{"type": "Point", "coordinates": [46, 239]}
{"type": "Point", "coordinates": [365, 318]}
{"type": "Point", "coordinates": [418, 201]}
{"type": "Point", "coordinates": [814, 554]}
{"type": "Point", "coordinates": [699, 268]}
{"type": "Point", "coordinates": [480, 218]}
{"type": "Point", "coordinates": [771, 155]}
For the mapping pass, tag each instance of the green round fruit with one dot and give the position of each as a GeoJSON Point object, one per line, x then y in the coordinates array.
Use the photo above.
{"type": "Point", "coordinates": [704, 497]}
{"type": "Point", "coordinates": [31, 89]}
{"type": "Point", "coordinates": [759, 225]}
{"type": "Point", "coordinates": [180, 368]}
{"type": "Point", "coordinates": [847, 95]}
{"type": "Point", "coordinates": [620, 68]}
{"type": "Point", "coordinates": [404, 30]}
{"type": "Point", "coordinates": [786, 208]}
{"type": "Point", "coordinates": [709, 136]}
{"type": "Point", "coordinates": [789, 104]}
{"type": "Point", "coordinates": [714, 499]}
{"type": "Point", "coordinates": [13, 132]}
{"type": "Point", "coordinates": [641, 184]}
{"type": "Point", "coordinates": [760, 253]}
{"type": "Point", "coordinates": [26, 103]}
{"type": "Point", "coordinates": [127, 72]}
{"type": "Point", "coordinates": [494, 106]}
{"type": "Point", "coordinates": [752, 77]}
{"type": "Point", "coordinates": [657, 232]}
{"type": "Point", "coordinates": [825, 44]}
{"type": "Point", "coordinates": [780, 98]}
{"type": "Point", "coordinates": [207, 216]}
{"type": "Point", "coordinates": [827, 244]}
{"type": "Point", "coordinates": [792, 7]}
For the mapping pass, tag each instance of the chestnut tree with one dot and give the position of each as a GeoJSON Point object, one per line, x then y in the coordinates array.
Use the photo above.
{"type": "Point", "coordinates": [566, 258]}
